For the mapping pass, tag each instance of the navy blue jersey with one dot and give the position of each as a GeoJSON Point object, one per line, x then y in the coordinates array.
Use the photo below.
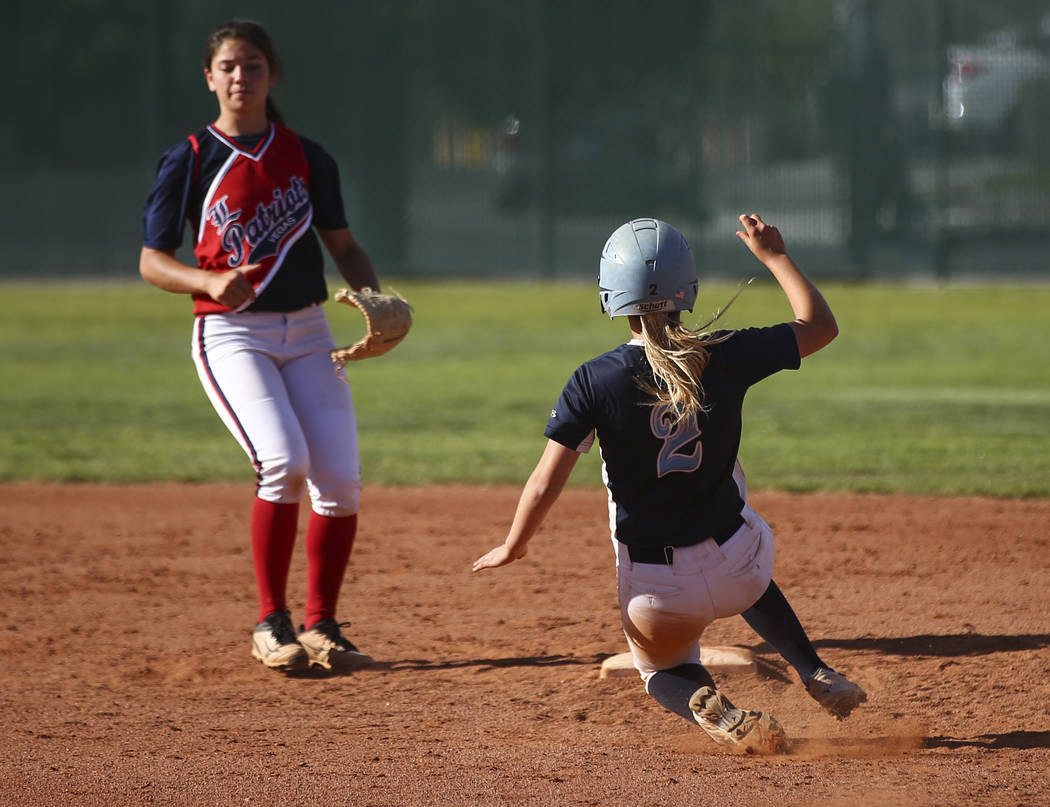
{"type": "Point", "coordinates": [178, 193]}
{"type": "Point", "coordinates": [671, 484]}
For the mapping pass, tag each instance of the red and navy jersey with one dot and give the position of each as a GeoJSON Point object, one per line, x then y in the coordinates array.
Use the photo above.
{"type": "Point", "coordinates": [249, 200]}
{"type": "Point", "coordinates": [671, 483]}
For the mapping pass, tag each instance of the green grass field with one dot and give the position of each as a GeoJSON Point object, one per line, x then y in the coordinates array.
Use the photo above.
{"type": "Point", "coordinates": [927, 390]}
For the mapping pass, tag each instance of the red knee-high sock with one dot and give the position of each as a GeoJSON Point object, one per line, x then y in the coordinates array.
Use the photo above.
{"type": "Point", "coordinates": [329, 541]}
{"type": "Point", "coordinates": [273, 538]}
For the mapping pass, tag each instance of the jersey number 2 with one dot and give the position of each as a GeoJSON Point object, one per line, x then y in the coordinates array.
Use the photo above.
{"type": "Point", "coordinates": [675, 437]}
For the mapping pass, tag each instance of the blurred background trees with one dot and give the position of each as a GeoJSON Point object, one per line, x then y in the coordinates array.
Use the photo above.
{"type": "Point", "coordinates": [480, 136]}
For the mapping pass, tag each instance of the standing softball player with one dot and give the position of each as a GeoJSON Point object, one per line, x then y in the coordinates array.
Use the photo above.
{"type": "Point", "coordinates": [253, 192]}
{"type": "Point", "coordinates": [666, 409]}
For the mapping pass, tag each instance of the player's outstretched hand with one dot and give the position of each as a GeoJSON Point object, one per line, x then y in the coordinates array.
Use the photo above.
{"type": "Point", "coordinates": [498, 556]}
{"type": "Point", "coordinates": [764, 240]}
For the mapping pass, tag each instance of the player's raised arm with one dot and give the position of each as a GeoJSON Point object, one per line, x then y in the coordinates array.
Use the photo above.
{"type": "Point", "coordinates": [814, 323]}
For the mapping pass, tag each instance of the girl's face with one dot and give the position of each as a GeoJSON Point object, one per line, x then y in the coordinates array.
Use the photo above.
{"type": "Point", "coordinates": [240, 77]}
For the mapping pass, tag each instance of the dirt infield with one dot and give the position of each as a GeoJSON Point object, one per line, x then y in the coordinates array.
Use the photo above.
{"type": "Point", "coordinates": [127, 679]}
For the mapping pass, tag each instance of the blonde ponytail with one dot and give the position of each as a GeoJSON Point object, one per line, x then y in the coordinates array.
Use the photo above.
{"type": "Point", "coordinates": [677, 356]}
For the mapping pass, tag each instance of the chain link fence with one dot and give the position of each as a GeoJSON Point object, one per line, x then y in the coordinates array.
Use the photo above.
{"type": "Point", "coordinates": [886, 139]}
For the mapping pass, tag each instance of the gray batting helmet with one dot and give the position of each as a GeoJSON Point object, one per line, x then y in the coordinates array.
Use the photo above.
{"type": "Point", "coordinates": [646, 267]}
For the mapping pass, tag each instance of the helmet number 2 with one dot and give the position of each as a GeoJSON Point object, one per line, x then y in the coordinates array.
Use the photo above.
{"type": "Point", "coordinates": [676, 437]}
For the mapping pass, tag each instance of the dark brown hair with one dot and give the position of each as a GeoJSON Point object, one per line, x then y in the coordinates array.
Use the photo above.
{"type": "Point", "coordinates": [253, 32]}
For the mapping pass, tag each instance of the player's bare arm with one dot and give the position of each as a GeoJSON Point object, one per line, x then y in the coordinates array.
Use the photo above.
{"type": "Point", "coordinates": [162, 269]}
{"type": "Point", "coordinates": [814, 323]}
{"type": "Point", "coordinates": [350, 259]}
{"type": "Point", "coordinates": [541, 491]}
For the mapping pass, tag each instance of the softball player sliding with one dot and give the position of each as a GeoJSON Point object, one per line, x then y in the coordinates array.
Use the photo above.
{"type": "Point", "coordinates": [666, 409]}
{"type": "Point", "coordinates": [253, 190]}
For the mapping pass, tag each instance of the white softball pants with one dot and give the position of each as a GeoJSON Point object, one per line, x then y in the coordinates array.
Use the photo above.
{"type": "Point", "coordinates": [273, 384]}
{"type": "Point", "coordinates": [665, 609]}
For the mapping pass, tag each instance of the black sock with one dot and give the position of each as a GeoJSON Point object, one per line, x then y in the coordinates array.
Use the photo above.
{"type": "Point", "coordinates": [773, 619]}
{"type": "Point", "coordinates": [673, 688]}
